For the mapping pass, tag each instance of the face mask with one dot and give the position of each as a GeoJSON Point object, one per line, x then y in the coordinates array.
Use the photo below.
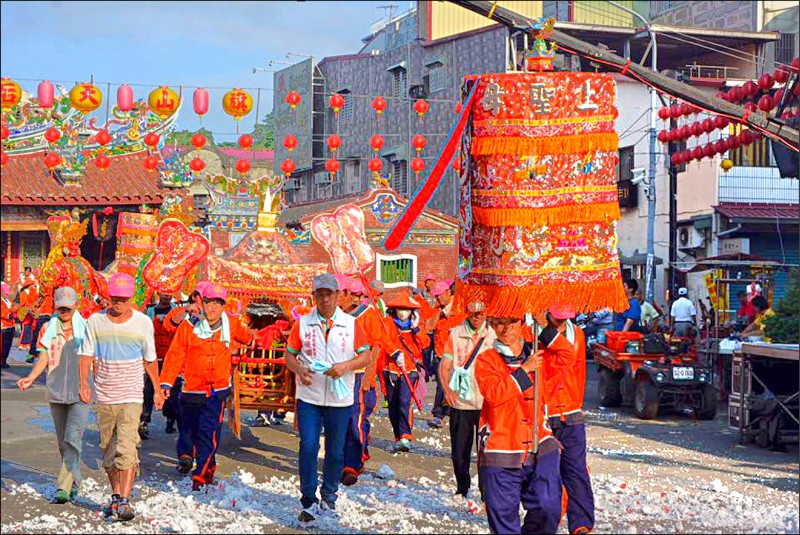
{"type": "Point", "coordinates": [403, 314]}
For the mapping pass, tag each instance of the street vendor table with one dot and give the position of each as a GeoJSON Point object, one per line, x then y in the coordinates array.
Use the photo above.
{"type": "Point", "coordinates": [765, 393]}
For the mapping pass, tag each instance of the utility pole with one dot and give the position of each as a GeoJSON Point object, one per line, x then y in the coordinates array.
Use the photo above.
{"type": "Point", "coordinates": [673, 211]}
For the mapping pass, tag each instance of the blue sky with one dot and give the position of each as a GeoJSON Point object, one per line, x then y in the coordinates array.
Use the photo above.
{"type": "Point", "coordinates": [210, 44]}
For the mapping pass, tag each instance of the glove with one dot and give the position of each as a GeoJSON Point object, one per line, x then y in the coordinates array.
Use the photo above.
{"type": "Point", "coordinates": [399, 359]}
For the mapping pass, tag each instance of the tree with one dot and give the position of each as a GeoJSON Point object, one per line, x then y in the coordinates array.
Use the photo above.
{"type": "Point", "coordinates": [183, 137]}
{"type": "Point", "coordinates": [264, 134]}
{"type": "Point", "coordinates": [784, 326]}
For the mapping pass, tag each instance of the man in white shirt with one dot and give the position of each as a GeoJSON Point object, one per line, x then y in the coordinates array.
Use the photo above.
{"type": "Point", "coordinates": [683, 314]}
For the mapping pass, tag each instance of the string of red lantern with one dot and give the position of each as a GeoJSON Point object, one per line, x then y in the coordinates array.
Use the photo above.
{"type": "Point", "coordinates": [290, 142]}
{"type": "Point", "coordinates": [246, 141]}
{"type": "Point", "coordinates": [336, 102]}
{"type": "Point", "coordinates": [288, 167]}
{"type": "Point", "coordinates": [334, 142]}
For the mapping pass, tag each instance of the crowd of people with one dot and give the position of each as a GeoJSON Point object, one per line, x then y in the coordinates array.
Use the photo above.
{"type": "Point", "coordinates": [513, 387]}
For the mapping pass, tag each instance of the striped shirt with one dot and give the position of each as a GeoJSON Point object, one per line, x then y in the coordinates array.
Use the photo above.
{"type": "Point", "coordinates": [119, 350]}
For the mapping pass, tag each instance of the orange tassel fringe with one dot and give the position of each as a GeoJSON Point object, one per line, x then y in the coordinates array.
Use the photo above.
{"type": "Point", "coordinates": [513, 302]}
{"type": "Point", "coordinates": [485, 146]}
{"type": "Point", "coordinates": [556, 215]}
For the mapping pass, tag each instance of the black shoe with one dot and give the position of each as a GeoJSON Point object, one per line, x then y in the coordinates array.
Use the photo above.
{"type": "Point", "coordinates": [112, 508]}
{"type": "Point", "coordinates": [5, 365]}
{"type": "Point", "coordinates": [170, 427]}
{"type": "Point", "coordinates": [185, 464]}
{"type": "Point", "coordinates": [307, 515]}
{"type": "Point", "coordinates": [143, 431]}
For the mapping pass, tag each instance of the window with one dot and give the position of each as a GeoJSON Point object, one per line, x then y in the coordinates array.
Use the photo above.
{"type": "Point", "coordinates": [757, 154]}
{"type": "Point", "coordinates": [399, 82]}
{"type": "Point", "coordinates": [437, 77]}
{"type": "Point", "coordinates": [625, 164]}
{"type": "Point", "coordinates": [200, 203]}
{"type": "Point", "coordinates": [400, 176]}
{"type": "Point", "coordinates": [784, 48]}
{"type": "Point", "coordinates": [397, 270]}
{"type": "Point", "coordinates": [346, 113]}
{"type": "Point", "coordinates": [627, 190]}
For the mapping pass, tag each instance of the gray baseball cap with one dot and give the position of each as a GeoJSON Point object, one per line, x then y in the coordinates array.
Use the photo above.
{"type": "Point", "coordinates": [377, 286]}
{"type": "Point", "coordinates": [65, 297]}
{"type": "Point", "coordinates": [326, 281]}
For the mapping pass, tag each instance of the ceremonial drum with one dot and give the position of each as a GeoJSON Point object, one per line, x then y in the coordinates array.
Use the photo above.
{"type": "Point", "coordinates": [539, 201]}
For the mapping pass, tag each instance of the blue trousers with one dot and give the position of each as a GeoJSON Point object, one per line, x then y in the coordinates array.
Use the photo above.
{"type": "Point", "coordinates": [356, 444]}
{"type": "Point", "coordinates": [536, 487]}
{"type": "Point", "coordinates": [201, 422]}
{"type": "Point", "coordinates": [310, 421]}
{"type": "Point", "coordinates": [401, 412]}
{"type": "Point", "coordinates": [575, 475]}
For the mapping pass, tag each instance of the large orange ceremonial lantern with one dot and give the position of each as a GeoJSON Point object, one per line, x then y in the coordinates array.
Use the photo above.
{"type": "Point", "coordinates": [163, 101]}
{"type": "Point", "coordinates": [85, 97]}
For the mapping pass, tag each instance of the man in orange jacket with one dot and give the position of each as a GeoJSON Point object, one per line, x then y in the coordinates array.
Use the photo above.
{"type": "Point", "coordinates": [565, 383]}
{"type": "Point", "coordinates": [7, 315]}
{"type": "Point", "coordinates": [356, 446]}
{"type": "Point", "coordinates": [448, 318]}
{"type": "Point", "coordinates": [202, 352]}
{"type": "Point", "coordinates": [518, 457]}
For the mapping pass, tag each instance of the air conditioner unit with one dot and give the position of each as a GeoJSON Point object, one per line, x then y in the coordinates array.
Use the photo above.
{"type": "Point", "coordinates": [690, 238]}
{"type": "Point", "coordinates": [418, 91]}
{"type": "Point", "coordinates": [291, 184]}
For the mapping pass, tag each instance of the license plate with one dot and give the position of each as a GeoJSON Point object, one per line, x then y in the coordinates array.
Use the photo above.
{"type": "Point", "coordinates": [683, 373]}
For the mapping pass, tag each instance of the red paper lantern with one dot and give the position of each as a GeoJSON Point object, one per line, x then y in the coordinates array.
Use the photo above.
{"type": "Point", "coordinates": [151, 140]}
{"type": "Point", "coordinates": [288, 167]}
{"type": "Point", "coordinates": [198, 141]}
{"type": "Point", "coordinates": [686, 132]}
{"type": "Point", "coordinates": [200, 101]}
{"type": "Point", "coordinates": [375, 165]}
{"type": "Point", "coordinates": [332, 165]}
{"type": "Point", "coordinates": [419, 142]}
{"type": "Point", "coordinates": [662, 136]}
{"type": "Point", "coordinates": [708, 126]}
{"type": "Point", "coordinates": [766, 103]}
{"type": "Point", "coordinates": [708, 150]}
{"type": "Point", "coordinates": [421, 106]}
{"type": "Point", "coordinates": [733, 94]}
{"type": "Point", "coordinates": [674, 111]}
{"type": "Point", "coordinates": [676, 158]}
{"type": "Point", "coordinates": [750, 88]}
{"type": "Point", "coordinates": [379, 105]}
{"type": "Point", "coordinates": [336, 102]}
{"type": "Point", "coordinates": [722, 95]}
{"type": "Point", "coordinates": [246, 141]}
{"type": "Point", "coordinates": [3, 158]}
{"type": "Point", "coordinates": [4, 132]}
{"type": "Point", "coordinates": [778, 96]}
{"type": "Point", "coordinates": [103, 138]}
{"type": "Point", "coordinates": [333, 142]}
{"type": "Point", "coordinates": [52, 135]}
{"type": "Point", "coordinates": [697, 129]}
{"type": "Point", "coordinates": [671, 136]}
{"type": "Point", "coordinates": [151, 163]}
{"type": "Point", "coordinates": [746, 137]}
{"type": "Point", "coordinates": [293, 98]}
{"type": "Point", "coordinates": [721, 122]}
{"type": "Point", "coordinates": [197, 165]}
{"type": "Point", "coordinates": [720, 146]}
{"type": "Point", "coordinates": [290, 142]}
{"type": "Point", "coordinates": [376, 142]}
{"type": "Point", "coordinates": [459, 105]}
{"type": "Point", "coordinates": [752, 106]}
{"type": "Point", "coordinates": [124, 98]}
{"type": "Point", "coordinates": [794, 64]}
{"type": "Point", "coordinates": [733, 142]}
{"type": "Point", "coordinates": [766, 81]}
{"type": "Point", "coordinates": [781, 74]}
{"type": "Point", "coordinates": [417, 165]}
{"type": "Point", "coordinates": [45, 94]}
{"type": "Point", "coordinates": [52, 160]}
{"type": "Point", "coordinates": [243, 166]}
{"type": "Point", "coordinates": [697, 153]}
{"type": "Point", "coordinates": [102, 162]}
{"type": "Point", "coordinates": [663, 113]}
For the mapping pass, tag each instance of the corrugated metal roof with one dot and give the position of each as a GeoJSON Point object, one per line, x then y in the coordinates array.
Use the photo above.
{"type": "Point", "coordinates": [759, 211]}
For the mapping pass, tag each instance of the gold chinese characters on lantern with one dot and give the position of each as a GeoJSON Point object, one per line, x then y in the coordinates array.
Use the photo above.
{"type": "Point", "coordinates": [85, 97]}
{"type": "Point", "coordinates": [11, 93]}
{"type": "Point", "coordinates": [237, 103]}
{"type": "Point", "coordinates": [163, 101]}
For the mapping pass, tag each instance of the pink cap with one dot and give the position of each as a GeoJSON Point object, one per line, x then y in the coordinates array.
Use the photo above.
{"type": "Point", "coordinates": [429, 276]}
{"type": "Point", "coordinates": [215, 291]}
{"type": "Point", "coordinates": [201, 287]}
{"type": "Point", "coordinates": [121, 285]}
{"type": "Point", "coordinates": [5, 289]}
{"type": "Point", "coordinates": [439, 288]}
{"type": "Point", "coordinates": [562, 312]}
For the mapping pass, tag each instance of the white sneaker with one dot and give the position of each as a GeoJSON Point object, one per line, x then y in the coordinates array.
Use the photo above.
{"type": "Point", "coordinates": [327, 509]}
{"type": "Point", "coordinates": [263, 420]}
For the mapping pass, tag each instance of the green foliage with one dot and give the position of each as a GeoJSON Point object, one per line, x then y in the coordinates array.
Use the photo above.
{"type": "Point", "coordinates": [183, 137]}
{"type": "Point", "coordinates": [784, 326]}
{"type": "Point", "coordinates": [264, 135]}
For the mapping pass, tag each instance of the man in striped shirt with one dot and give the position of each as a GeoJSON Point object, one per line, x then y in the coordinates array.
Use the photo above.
{"type": "Point", "coordinates": [119, 344]}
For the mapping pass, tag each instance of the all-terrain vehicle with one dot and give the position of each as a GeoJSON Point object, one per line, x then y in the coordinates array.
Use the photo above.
{"type": "Point", "coordinates": [653, 372]}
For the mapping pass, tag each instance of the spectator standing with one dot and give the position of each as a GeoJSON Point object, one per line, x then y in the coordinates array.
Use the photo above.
{"type": "Point", "coordinates": [683, 314]}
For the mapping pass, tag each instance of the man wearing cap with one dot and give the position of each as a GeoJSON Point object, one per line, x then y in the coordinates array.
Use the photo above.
{"type": "Point", "coordinates": [405, 333]}
{"type": "Point", "coordinates": [683, 315]}
{"type": "Point", "coordinates": [7, 315]}
{"type": "Point", "coordinates": [446, 320]}
{"type": "Point", "coordinates": [377, 289]}
{"type": "Point", "coordinates": [28, 298]}
{"type": "Point", "coordinates": [356, 449]}
{"type": "Point", "coordinates": [518, 457]}
{"type": "Point", "coordinates": [202, 353]}
{"type": "Point", "coordinates": [119, 346]}
{"type": "Point", "coordinates": [59, 343]}
{"type": "Point", "coordinates": [462, 345]}
{"type": "Point", "coordinates": [564, 378]}
{"type": "Point", "coordinates": [324, 350]}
